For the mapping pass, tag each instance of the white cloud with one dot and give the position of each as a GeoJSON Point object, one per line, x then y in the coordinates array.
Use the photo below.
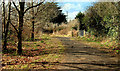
{"type": "Point", "coordinates": [72, 9]}
{"type": "Point", "coordinates": [87, 0]}
{"type": "Point", "coordinates": [77, 0]}
{"type": "Point", "coordinates": [72, 15]}
{"type": "Point", "coordinates": [69, 6]}
{"type": "Point", "coordinates": [78, 7]}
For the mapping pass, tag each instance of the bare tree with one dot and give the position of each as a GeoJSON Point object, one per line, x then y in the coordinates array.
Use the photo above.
{"type": "Point", "coordinates": [32, 35]}
{"type": "Point", "coordinates": [7, 27]}
{"type": "Point", "coordinates": [3, 23]}
{"type": "Point", "coordinates": [42, 13]}
{"type": "Point", "coordinates": [21, 13]}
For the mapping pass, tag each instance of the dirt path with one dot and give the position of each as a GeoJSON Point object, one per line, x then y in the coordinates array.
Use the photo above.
{"type": "Point", "coordinates": [80, 57]}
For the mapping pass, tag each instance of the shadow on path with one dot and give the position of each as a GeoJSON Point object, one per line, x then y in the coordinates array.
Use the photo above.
{"type": "Point", "coordinates": [81, 57]}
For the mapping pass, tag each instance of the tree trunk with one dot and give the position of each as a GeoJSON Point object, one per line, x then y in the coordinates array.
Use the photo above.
{"type": "Point", "coordinates": [32, 35]}
{"type": "Point", "coordinates": [20, 22]}
{"type": "Point", "coordinates": [119, 26]}
{"type": "Point", "coordinates": [79, 23]}
{"type": "Point", "coordinates": [20, 29]}
{"type": "Point", "coordinates": [72, 32]}
{"type": "Point", "coordinates": [119, 35]}
{"type": "Point", "coordinates": [7, 28]}
{"type": "Point", "coordinates": [3, 32]}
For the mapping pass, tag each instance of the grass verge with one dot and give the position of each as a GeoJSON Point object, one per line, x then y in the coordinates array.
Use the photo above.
{"type": "Point", "coordinates": [43, 53]}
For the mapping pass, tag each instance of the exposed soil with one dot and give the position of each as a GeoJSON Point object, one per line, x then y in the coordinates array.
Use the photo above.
{"type": "Point", "coordinates": [81, 57]}
{"type": "Point", "coordinates": [63, 54]}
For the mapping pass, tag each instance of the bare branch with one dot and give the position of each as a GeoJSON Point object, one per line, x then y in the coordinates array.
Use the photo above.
{"type": "Point", "coordinates": [16, 7]}
{"type": "Point", "coordinates": [14, 27]}
{"type": "Point", "coordinates": [33, 6]}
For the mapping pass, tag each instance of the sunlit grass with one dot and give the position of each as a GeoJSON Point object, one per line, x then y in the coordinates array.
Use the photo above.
{"type": "Point", "coordinates": [44, 50]}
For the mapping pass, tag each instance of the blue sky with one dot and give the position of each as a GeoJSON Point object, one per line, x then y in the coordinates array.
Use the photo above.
{"type": "Point", "coordinates": [73, 8]}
